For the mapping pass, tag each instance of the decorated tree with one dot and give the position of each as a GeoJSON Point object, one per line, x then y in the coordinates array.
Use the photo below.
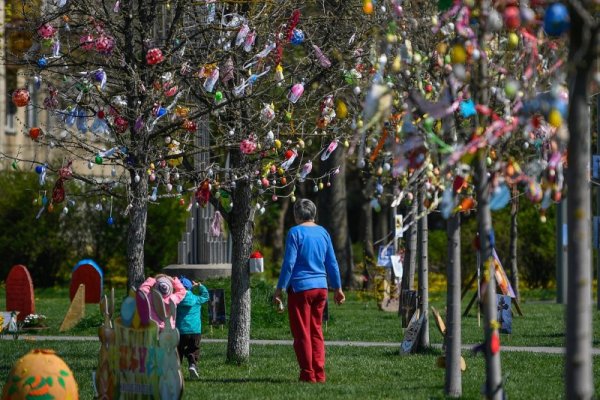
{"type": "Point", "coordinates": [227, 103]}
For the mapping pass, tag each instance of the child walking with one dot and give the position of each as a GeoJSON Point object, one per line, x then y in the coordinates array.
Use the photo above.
{"type": "Point", "coordinates": [189, 323]}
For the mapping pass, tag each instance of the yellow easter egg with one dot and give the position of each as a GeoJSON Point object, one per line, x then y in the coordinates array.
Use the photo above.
{"type": "Point", "coordinates": [341, 110]}
{"type": "Point", "coordinates": [513, 40]}
{"type": "Point", "coordinates": [458, 54]}
{"type": "Point", "coordinates": [554, 118]}
{"type": "Point", "coordinates": [277, 143]}
{"type": "Point", "coordinates": [368, 7]}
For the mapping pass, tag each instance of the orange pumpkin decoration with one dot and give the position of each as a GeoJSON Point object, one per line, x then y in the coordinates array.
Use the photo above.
{"type": "Point", "coordinates": [40, 373]}
{"type": "Point", "coordinates": [20, 97]}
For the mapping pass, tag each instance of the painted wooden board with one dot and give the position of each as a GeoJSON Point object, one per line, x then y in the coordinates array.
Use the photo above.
{"type": "Point", "coordinates": [19, 292]}
{"type": "Point", "coordinates": [76, 310]}
{"type": "Point", "coordinates": [411, 335]}
{"type": "Point", "coordinates": [87, 272]}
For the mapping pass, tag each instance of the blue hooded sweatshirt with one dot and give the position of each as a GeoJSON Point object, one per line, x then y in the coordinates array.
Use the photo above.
{"type": "Point", "coordinates": [189, 319]}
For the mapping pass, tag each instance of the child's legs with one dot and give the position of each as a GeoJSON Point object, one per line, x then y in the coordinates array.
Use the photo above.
{"type": "Point", "coordinates": [194, 348]}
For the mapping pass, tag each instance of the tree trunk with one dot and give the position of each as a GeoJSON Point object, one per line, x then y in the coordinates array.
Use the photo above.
{"type": "Point", "coordinates": [493, 388]}
{"type": "Point", "coordinates": [366, 223]}
{"type": "Point", "coordinates": [453, 387]}
{"type": "Point", "coordinates": [578, 362]}
{"type": "Point", "coordinates": [480, 90]}
{"type": "Point", "coordinates": [423, 268]}
{"type": "Point", "coordinates": [242, 230]}
{"type": "Point", "coordinates": [136, 231]}
{"type": "Point", "coordinates": [512, 248]}
{"type": "Point", "coordinates": [335, 216]}
{"type": "Point", "coordinates": [410, 257]}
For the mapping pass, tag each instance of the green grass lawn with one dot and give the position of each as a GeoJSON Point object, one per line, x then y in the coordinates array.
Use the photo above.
{"type": "Point", "coordinates": [352, 372]}
{"type": "Point", "coordinates": [357, 320]}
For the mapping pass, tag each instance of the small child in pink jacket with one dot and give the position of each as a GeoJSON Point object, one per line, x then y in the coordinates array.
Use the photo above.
{"type": "Point", "coordinates": [170, 289]}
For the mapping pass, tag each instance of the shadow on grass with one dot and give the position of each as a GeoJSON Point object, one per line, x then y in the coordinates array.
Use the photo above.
{"type": "Point", "coordinates": [244, 380]}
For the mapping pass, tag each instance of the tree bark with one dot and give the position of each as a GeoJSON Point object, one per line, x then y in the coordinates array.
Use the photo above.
{"type": "Point", "coordinates": [136, 231]}
{"type": "Point", "coordinates": [423, 267]}
{"type": "Point", "coordinates": [410, 258]}
{"type": "Point", "coordinates": [578, 357]}
{"type": "Point", "coordinates": [512, 248]}
{"type": "Point", "coordinates": [242, 230]}
{"type": "Point", "coordinates": [335, 216]}
{"type": "Point", "coordinates": [453, 387]}
{"type": "Point", "coordinates": [480, 90]}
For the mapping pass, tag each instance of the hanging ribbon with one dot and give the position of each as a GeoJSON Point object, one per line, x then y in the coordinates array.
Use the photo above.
{"type": "Point", "coordinates": [215, 225]}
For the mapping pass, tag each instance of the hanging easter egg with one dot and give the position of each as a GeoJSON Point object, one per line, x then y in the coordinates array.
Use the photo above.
{"type": "Point", "coordinates": [39, 169]}
{"type": "Point", "coordinates": [458, 54]}
{"type": "Point", "coordinates": [86, 42]}
{"type": "Point", "coordinates": [533, 191]}
{"type": "Point", "coordinates": [154, 56]}
{"type": "Point", "coordinates": [35, 133]}
{"type": "Point", "coordinates": [105, 44]}
{"type": "Point", "coordinates": [467, 204]}
{"type": "Point", "coordinates": [218, 96]}
{"type": "Point", "coordinates": [40, 374]}
{"type": "Point", "coordinates": [513, 41]}
{"type": "Point", "coordinates": [277, 143]}
{"type": "Point", "coordinates": [42, 62]}
{"type": "Point", "coordinates": [110, 221]}
{"type": "Point", "coordinates": [556, 19]}
{"type": "Point", "coordinates": [500, 197]}
{"type": "Point", "coordinates": [341, 110]}
{"type": "Point", "coordinates": [46, 31]}
{"type": "Point", "coordinates": [20, 97]}
{"type": "Point", "coordinates": [555, 118]}
{"type": "Point", "coordinates": [368, 7]}
{"type": "Point", "coordinates": [512, 17]}
{"type": "Point", "coordinates": [297, 37]}
{"type": "Point", "coordinates": [295, 92]}
{"type": "Point", "coordinates": [98, 160]}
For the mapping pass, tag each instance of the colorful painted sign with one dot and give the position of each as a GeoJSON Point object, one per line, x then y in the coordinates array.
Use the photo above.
{"type": "Point", "coordinates": [138, 361]}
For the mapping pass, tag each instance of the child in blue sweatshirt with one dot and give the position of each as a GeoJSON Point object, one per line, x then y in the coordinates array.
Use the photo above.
{"type": "Point", "coordinates": [189, 323]}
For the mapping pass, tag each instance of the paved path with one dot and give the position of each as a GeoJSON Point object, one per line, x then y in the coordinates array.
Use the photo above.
{"type": "Point", "coordinates": [531, 349]}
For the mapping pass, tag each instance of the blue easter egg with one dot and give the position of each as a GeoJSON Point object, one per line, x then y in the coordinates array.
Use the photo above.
{"type": "Point", "coordinates": [42, 62]}
{"type": "Point", "coordinates": [297, 37]}
{"type": "Point", "coordinates": [110, 221]}
{"type": "Point", "coordinates": [39, 169]}
{"type": "Point", "coordinates": [161, 111]}
{"type": "Point", "coordinates": [556, 19]}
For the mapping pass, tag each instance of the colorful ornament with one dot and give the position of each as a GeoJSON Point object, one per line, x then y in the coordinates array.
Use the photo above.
{"type": "Point", "coordinates": [154, 56]}
{"type": "Point", "coordinates": [295, 92]}
{"type": "Point", "coordinates": [46, 31]}
{"type": "Point", "coordinates": [297, 37]}
{"type": "Point", "coordinates": [20, 97]}
{"type": "Point", "coordinates": [556, 19]}
{"type": "Point", "coordinates": [87, 42]}
{"type": "Point", "coordinates": [248, 146]}
{"type": "Point", "coordinates": [105, 44]}
{"type": "Point", "coordinates": [35, 133]}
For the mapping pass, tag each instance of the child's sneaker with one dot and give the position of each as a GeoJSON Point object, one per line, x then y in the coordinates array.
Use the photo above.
{"type": "Point", "coordinates": [193, 372]}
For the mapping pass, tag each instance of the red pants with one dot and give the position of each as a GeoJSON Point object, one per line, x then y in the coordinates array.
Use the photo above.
{"type": "Point", "coordinates": [305, 310]}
